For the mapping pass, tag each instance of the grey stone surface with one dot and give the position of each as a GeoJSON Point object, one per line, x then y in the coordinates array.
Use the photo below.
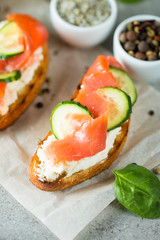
{"type": "Point", "coordinates": [18, 224]}
{"type": "Point", "coordinates": [114, 223]}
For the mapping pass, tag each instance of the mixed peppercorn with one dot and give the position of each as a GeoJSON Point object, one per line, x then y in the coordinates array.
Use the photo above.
{"type": "Point", "coordinates": [141, 39]}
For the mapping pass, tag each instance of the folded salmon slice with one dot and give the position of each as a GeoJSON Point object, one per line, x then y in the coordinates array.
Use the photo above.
{"type": "Point", "coordinates": [88, 139]}
{"type": "Point", "coordinates": [94, 102]}
{"type": "Point", "coordinates": [113, 62]}
{"type": "Point", "coordinates": [99, 80]}
{"type": "Point", "coordinates": [100, 65]}
{"type": "Point", "coordinates": [98, 75]}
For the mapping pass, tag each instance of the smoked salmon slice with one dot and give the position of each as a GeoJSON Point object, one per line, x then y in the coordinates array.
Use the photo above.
{"type": "Point", "coordinates": [94, 102]}
{"type": "Point", "coordinates": [88, 139]}
{"type": "Point", "coordinates": [15, 63]}
{"type": "Point", "coordinates": [35, 30]}
{"type": "Point", "coordinates": [113, 62]}
{"type": "Point", "coordinates": [100, 65]}
{"type": "Point", "coordinates": [99, 80]}
{"type": "Point", "coordinates": [98, 75]}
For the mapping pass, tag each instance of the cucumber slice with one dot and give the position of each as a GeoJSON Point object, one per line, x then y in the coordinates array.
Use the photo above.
{"type": "Point", "coordinates": [11, 40]}
{"type": "Point", "coordinates": [125, 83]}
{"type": "Point", "coordinates": [59, 126]}
{"type": "Point", "coordinates": [10, 77]}
{"type": "Point", "coordinates": [120, 106]}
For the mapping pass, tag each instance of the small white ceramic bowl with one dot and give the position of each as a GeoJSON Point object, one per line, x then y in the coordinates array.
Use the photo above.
{"type": "Point", "coordinates": [139, 70]}
{"type": "Point", "coordinates": [83, 36]}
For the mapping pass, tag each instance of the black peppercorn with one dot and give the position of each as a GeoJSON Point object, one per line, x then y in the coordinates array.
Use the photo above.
{"type": "Point", "coordinates": [158, 30]}
{"type": "Point", "coordinates": [142, 36]}
{"type": "Point", "coordinates": [149, 40]}
{"type": "Point", "coordinates": [129, 46]}
{"type": "Point", "coordinates": [39, 105]}
{"type": "Point", "coordinates": [131, 36]}
{"type": "Point", "coordinates": [140, 55]}
{"type": "Point", "coordinates": [122, 37]}
{"type": "Point", "coordinates": [143, 46]}
{"type": "Point", "coordinates": [151, 112]}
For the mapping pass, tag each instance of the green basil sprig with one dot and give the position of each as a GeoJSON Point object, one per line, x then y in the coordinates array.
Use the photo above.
{"type": "Point", "coordinates": [138, 190]}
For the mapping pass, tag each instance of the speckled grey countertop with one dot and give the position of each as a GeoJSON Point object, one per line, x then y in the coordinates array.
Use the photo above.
{"type": "Point", "coordinates": [114, 223]}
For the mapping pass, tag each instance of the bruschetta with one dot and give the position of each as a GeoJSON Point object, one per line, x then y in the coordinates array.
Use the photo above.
{"type": "Point", "coordinates": [23, 64]}
{"type": "Point", "coordinates": [88, 132]}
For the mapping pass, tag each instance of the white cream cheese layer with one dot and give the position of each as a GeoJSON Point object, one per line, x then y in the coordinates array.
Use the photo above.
{"type": "Point", "coordinates": [49, 171]}
{"type": "Point", "coordinates": [27, 73]}
{"type": "Point", "coordinates": [3, 23]}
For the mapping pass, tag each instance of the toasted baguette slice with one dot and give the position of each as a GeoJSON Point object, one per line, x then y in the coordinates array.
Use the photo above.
{"type": "Point", "coordinates": [28, 94]}
{"type": "Point", "coordinates": [65, 182]}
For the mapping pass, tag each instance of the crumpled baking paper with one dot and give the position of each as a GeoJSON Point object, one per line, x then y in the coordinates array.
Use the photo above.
{"type": "Point", "coordinates": [67, 212]}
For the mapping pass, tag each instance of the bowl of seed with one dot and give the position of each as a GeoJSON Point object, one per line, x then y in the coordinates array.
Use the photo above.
{"type": "Point", "coordinates": [136, 45]}
{"type": "Point", "coordinates": [83, 23]}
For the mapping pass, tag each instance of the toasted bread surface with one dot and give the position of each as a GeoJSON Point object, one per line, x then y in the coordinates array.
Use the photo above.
{"type": "Point", "coordinates": [65, 182]}
{"type": "Point", "coordinates": [28, 94]}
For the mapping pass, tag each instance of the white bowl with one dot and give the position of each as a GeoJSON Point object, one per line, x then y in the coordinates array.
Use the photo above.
{"type": "Point", "coordinates": [83, 36]}
{"type": "Point", "coordinates": [140, 70]}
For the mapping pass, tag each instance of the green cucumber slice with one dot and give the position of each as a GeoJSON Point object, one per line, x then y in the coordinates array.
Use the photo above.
{"type": "Point", "coordinates": [120, 106]}
{"type": "Point", "coordinates": [59, 126]}
{"type": "Point", "coordinates": [10, 77]}
{"type": "Point", "coordinates": [11, 40]}
{"type": "Point", "coordinates": [125, 83]}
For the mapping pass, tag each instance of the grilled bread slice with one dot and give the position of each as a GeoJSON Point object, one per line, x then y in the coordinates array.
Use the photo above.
{"type": "Point", "coordinates": [28, 93]}
{"type": "Point", "coordinates": [63, 182]}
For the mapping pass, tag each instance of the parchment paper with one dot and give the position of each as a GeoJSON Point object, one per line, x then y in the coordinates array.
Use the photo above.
{"type": "Point", "coordinates": [67, 212]}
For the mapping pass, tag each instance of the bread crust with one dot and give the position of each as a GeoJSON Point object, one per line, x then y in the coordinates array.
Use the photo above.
{"type": "Point", "coordinates": [66, 182]}
{"type": "Point", "coordinates": [29, 93]}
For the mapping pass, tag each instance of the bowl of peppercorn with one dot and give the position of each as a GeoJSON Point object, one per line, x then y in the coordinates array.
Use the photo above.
{"type": "Point", "coordinates": [83, 23]}
{"type": "Point", "coordinates": [136, 45]}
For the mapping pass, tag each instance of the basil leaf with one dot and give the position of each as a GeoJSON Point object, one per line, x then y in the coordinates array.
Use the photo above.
{"type": "Point", "coordinates": [138, 190]}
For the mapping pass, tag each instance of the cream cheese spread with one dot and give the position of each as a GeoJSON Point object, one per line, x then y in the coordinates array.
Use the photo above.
{"type": "Point", "coordinates": [3, 23]}
{"type": "Point", "coordinates": [48, 171]}
{"type": "Point", "coordinates": [27, 72]}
